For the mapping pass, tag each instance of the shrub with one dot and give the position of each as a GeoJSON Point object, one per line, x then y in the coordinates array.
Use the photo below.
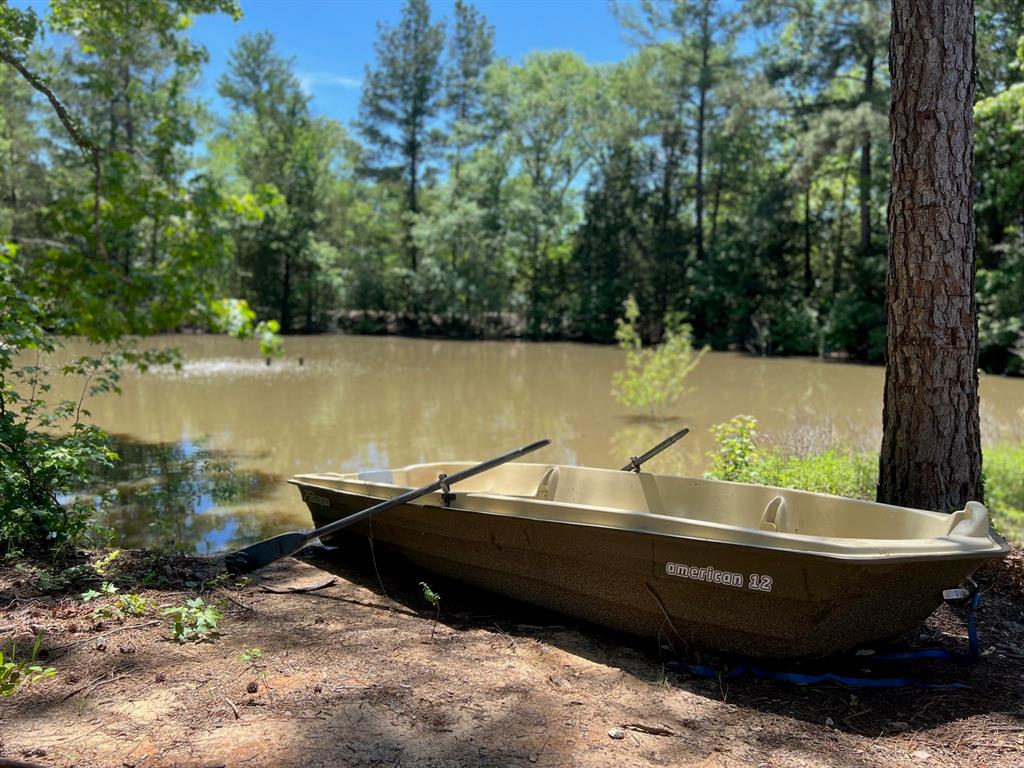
{"type": "Point", "coordinates": [654, 379]}
{"type": "Point", "coordinates": [735, 456]}
{"type": "Point", "coordinates": [738, 458]}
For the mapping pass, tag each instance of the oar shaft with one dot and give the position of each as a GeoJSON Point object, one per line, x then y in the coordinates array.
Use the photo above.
{"type": "Point", "coordinates": [408, 496]}
{"type": "Point", "coordinates": [634, 464]}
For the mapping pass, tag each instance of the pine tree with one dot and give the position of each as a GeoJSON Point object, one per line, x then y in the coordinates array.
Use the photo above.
{"type": "Point", "coordinates": [402, 97]}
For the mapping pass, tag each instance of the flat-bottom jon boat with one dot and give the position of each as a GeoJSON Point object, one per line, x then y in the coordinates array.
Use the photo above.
{"type": "Point", "coordinates": [746, 569]}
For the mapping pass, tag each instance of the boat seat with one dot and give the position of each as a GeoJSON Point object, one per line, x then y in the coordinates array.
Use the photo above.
{"type": "Point", "coordinates": [972, 520]}
{"type": "Point", "coordinates": [774, 516]}
{"type": "Point", "coordinates": [548, 484]}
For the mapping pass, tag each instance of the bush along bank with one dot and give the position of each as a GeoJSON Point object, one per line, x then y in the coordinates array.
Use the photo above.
{"type": "Point", "coordinates": [741, 456]}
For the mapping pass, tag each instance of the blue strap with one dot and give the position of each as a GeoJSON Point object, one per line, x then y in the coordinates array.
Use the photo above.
{"type": "Point", "coordinates": [800, 678]}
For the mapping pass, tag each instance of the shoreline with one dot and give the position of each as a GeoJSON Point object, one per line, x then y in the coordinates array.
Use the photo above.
{"type": "Point", "coordinates": [355, 671]}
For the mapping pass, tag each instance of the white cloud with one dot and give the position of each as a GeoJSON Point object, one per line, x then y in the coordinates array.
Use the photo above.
{"type": "Point", "coordinates": [310, 80]}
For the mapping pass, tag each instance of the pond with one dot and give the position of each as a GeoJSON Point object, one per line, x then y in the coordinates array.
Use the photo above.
{"type": "Point", "coordinates": [208, 449]}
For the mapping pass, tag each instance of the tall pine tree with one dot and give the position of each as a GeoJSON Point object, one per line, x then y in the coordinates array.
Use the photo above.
{"type": "Point", "coordinates": [402, 96]}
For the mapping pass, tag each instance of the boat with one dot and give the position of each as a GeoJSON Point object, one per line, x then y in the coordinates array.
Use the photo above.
{"type": "Point", "coordinates": [746, 569]}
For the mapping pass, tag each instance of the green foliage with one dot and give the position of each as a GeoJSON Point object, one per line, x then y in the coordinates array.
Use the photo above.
{"type": "Point", "coordinates": [44, 448]}
{"type": "Point", "coordinates": [654, 379]}
{"type": "Point", "coordinates": [430, 595]}
{"type": "Point", "coordinates": [738, 457]}
{"type": "Point", "coordinates": [195, 621]}
{"type": "Point", "coordinates": [251, 655]}
{"type": "Point", "coordinates": [735, 457]}
{"type": "Point", "coordinates": [999, 121]}
{"type": "Point", "coordinates": [1004, 487]}
{"type": "Point", "coordinates": [105, 589]}
{"type": "Point", "coordinates": [744, 191]}
{"type": "Point", "coordinates": [119, 607]}
{"type": "Point", "coordinates": [853, 475]}
{"type": "Point", "coordinates": [235, 318]}
{"type": "Point", "coordinates": [18, 30]}
{"type": "Point", "coordinates": [274, 151]}
{"type": "Point", "coordinates": [131, 240]}
{"type": "Point", "coordinates": [435, 600]}
{"type": "Point", "coordinates": [16, 674]}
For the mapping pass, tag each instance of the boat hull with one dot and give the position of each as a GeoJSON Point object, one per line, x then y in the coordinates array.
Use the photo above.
{"type": "Point", "coordinates": [706, 593]}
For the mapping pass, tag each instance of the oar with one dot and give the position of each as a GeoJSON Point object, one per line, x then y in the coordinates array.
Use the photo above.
{"type": "Point", "coordinates": [634, 463]}
{"type": "Point", "coordinates": [265, 552]}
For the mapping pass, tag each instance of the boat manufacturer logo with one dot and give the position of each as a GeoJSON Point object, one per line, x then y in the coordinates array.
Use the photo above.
{"type": "Point", "coordinates": [712, 575]}
{"type": "Point", "coordinates": [311, 498]}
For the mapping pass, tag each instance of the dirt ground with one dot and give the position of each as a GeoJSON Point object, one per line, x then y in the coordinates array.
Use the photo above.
{"type": "Point", "coordinates": [359, 674]}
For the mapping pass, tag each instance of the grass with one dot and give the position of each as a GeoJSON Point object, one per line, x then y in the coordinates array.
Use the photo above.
{"type": "Point", "coordinates": [1004, 488]}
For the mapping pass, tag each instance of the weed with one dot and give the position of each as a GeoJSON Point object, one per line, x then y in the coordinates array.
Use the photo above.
{"type": "Point", "coordinates": [435, 600]}
{"type": "Point", "coordinates": [15, 675]}
{"type": "Point", "coordinates": [104, 563]}
{"type": "Point", "coordinates": [252, 657]}
{"type": "Point", "coordinates": [122, 607]}
{"type": "Point", "coordinates": [195, 621]}
{"type": "Point", "coordinates": [105, 589]}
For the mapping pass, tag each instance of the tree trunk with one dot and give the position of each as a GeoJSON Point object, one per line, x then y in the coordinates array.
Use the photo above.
{"type": "Point", "coordinates": [808, 273]}
{"type": "Point", "coordinates": [865, 160]}
{"type": "Point", "coordinates": [286, 293]}
{"type": "Point", "coordinates": [839, 257]}
{"type": "Point", "coordinates": [931, 444]}
{"type": "Point", "coordinates": [703, 86]}
{"type": "Point", "coordinates": [413, 202]}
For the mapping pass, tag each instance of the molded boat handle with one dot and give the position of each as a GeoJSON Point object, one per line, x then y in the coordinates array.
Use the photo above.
{"type": "Point", "coordinates": [972, 520]}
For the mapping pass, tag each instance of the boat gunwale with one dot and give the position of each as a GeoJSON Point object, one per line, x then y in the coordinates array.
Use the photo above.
{"type": "Point", "coordinates": [997, 546]}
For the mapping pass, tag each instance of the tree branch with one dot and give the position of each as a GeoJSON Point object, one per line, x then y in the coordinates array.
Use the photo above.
{"type": "Point", "coordinates": [87, 147]}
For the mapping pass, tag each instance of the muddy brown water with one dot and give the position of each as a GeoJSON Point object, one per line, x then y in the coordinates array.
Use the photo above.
{"type": "Point", "coordinates": [207, 449]}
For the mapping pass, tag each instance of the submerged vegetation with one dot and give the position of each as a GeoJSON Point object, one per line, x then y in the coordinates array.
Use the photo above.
{"type": "Point", "coordinates": [654, 378]}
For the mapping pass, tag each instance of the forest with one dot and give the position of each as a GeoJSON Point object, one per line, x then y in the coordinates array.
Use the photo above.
{"type": "Point", "coordinates": [732, 172]}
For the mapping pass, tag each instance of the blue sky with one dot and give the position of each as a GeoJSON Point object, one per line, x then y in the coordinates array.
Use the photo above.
{"type": "Point", "coordinates": [332, 40]}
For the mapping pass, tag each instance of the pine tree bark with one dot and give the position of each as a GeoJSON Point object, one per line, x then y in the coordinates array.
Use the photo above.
{"type": "Point", "coordinates": [931, 445]}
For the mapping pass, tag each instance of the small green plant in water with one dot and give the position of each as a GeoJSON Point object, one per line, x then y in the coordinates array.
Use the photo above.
{"type": "Point", "coordinates": [15, 675]}
{"type": "Point", "coordinates": [654, 378]}
{"type": "Point", "coordinates": [194, 621]}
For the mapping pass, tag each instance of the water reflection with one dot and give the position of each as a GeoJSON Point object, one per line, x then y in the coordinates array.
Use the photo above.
{"type": "Point", "coordinates": [179, 496]}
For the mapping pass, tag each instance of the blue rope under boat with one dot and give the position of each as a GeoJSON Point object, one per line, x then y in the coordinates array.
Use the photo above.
{"type": "Point", "coordinates": [854, 681]}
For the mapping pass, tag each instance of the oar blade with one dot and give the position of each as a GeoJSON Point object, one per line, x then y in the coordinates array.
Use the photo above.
{"type": "Point", "coordinates": [262, 553]}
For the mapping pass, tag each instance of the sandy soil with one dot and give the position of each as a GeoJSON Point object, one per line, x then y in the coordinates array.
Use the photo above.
{"type": "Point", "coordinates": [353, 675]}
